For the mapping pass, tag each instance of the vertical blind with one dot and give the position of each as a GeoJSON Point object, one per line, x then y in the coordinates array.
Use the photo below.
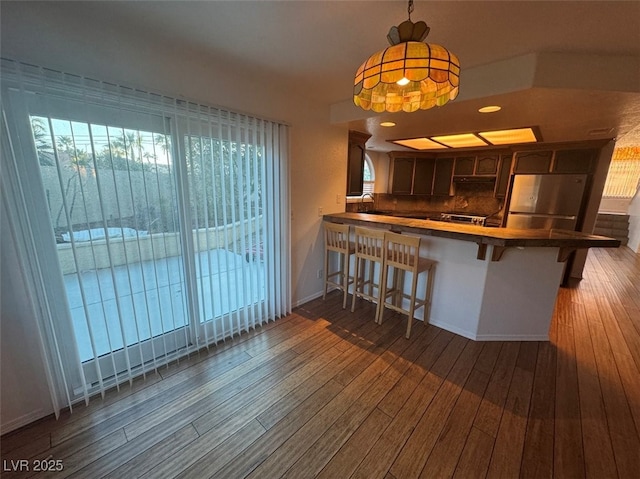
{"type": "Point", "coordinates": [150, 226]}
{"type": "Point", "coordinates": [623, 179]}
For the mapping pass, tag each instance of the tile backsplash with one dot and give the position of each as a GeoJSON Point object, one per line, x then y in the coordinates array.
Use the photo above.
{"type": "Point", "coordinates": [469, 198]}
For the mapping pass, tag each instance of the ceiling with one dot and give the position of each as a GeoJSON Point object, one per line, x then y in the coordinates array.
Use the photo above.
{"type": "Point", "coordinates": [314, 47]}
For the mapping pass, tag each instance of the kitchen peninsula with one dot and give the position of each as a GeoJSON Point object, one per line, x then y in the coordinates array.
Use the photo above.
{"type": "Point", "coordinates": [490, 283]}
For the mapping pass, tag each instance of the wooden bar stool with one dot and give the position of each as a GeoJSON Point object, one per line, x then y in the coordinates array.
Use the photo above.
{"type": "Point", "coordinates": [369, 245]}
{"type": "Point", "coordinates": [336, 239]}
{"type": "Point", "coordinates": [402, 253]}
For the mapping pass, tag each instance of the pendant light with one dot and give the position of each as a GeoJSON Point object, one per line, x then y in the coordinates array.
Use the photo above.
{"type": "Point", "coordinates": [408, 76]}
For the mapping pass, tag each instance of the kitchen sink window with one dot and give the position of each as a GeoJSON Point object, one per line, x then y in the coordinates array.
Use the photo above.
{"type": "Point", "coordinates": [368, 181]}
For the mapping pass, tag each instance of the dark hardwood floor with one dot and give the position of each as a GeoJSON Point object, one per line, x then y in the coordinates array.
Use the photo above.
{"type": "Point", "coordinates": [328, 393]}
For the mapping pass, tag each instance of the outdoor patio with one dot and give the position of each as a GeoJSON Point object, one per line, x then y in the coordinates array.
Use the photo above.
{"type": "Point", "coordinates": [144, 299]}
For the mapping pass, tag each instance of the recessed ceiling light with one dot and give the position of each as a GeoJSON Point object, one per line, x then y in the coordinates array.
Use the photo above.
{"type": "Point", "coordinates": [508, 137]}
{"type": "Point", "coordinates": [387, 123]}
{"type": "Point", "coordinates": [420, 144]}
{"type": "Point", "coordinates": [459, 141]}
{"type": "Point", "coordinates": [490, 109]}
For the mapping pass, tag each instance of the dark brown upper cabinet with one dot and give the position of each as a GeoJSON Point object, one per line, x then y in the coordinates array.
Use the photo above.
{"type": "Point", "coordinates": [355, 162]}
{"type": "Point", "coordinates": [464, 165]}
{"type": "Point", "coordinates": [502, 183]}
{"type": "Point", "coordinates": [439, 173]}
{"type": "Point", "coordinates": [487, 165]}
{"type": "Point", "coordinates": [443, 175]}
{"type": "Point", "coordinates": [481, 165]}
{"type": "Point", "coordinates": [402, 180]}
{"type": "Point", "coordinates": [533, 162]}
{"type": "Point", "coordinates": [412, 176]}
{"type": "Point", "coordinates": [423, 176]}
{"type": "Point", "coordinates": [579, 160]}
{"type": "Point", "coordinates": [575, 161]}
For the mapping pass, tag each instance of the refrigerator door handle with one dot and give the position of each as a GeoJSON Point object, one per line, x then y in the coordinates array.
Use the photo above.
{"type": "Point", "coordinates": [540, 215]}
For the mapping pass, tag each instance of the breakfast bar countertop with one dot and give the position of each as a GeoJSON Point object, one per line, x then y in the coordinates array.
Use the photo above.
{"type": "Point", "coordinates": [509, 278]}
{"type": "Point", "coordinates": [500, 237]}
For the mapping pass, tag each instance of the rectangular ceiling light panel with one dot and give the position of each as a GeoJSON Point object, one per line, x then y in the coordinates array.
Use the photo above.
{"type": "Point", "coordinates": [419, 144]}
{"type": "Point", "coordinates": [509, 137]}
{"type": "Point", "coordinates": [459, 141]}
{"type": "Point", "coordinates": [470, 140]}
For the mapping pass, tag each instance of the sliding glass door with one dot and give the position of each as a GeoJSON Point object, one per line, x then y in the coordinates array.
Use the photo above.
{"type": "Point", "coordinates": [225, 172]}
{"type": "Point", "coordinates": [112, 201]}
{"type": "Point", "coordinates": [152, 227]}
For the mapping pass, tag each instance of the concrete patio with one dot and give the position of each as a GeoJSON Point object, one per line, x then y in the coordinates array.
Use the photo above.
{"type": "Point", "coordinates": [129, 304]}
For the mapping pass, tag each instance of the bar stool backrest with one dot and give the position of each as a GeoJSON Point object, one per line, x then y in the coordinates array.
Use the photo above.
{"type": "Point", "coordinates": [369, 243]}
{"type": "Point", "coordinates": [402, 251]}
{"type": "Point", "coordinates": [336, 237]}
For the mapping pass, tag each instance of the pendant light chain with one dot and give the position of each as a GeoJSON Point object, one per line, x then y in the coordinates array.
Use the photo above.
{"type": "Point", "coordinates": [410, 8]}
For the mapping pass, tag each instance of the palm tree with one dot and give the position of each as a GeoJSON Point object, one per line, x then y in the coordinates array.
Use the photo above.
{"type": "Point", "coordinates": [79, 162]}
{"type": "Point", "coordinates": [42, 139]}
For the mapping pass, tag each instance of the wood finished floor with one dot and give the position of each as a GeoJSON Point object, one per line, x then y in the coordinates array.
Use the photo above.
{"type": "Point", "coordinates": [328, 393]}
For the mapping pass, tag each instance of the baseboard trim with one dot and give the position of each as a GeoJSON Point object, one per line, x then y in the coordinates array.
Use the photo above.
{"type": "Point", "coordinates": [512, 337]}
{"type": "Point", "coordinates": [488, 337]}
{"type": "Point", "coordinates": [311, 297]}
{"type": "Point", "coordinates": [23, 420]}
{"type": "Point", "coordinates": [452, 329]}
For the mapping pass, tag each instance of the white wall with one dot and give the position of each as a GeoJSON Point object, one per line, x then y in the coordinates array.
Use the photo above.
{"type": "Point", "coordinates": [51, 34]}
{"type": "Point", "coordinates": [24, 394]}
{"type": "Point", "coordinates": [614, 205]}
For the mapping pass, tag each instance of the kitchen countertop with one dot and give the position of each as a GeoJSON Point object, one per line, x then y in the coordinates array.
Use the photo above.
{"type": "Point", "coordinates": [499, 238]}
{"type": "Point", "coordinates": [507, 292]}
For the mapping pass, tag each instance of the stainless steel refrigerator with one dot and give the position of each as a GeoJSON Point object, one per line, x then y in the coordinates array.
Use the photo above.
{"type": "Point", "coordinates": [546, 201]}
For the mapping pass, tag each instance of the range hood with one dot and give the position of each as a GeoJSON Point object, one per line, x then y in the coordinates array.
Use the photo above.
{"type": "Point", "coordinates": [474, 179]}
